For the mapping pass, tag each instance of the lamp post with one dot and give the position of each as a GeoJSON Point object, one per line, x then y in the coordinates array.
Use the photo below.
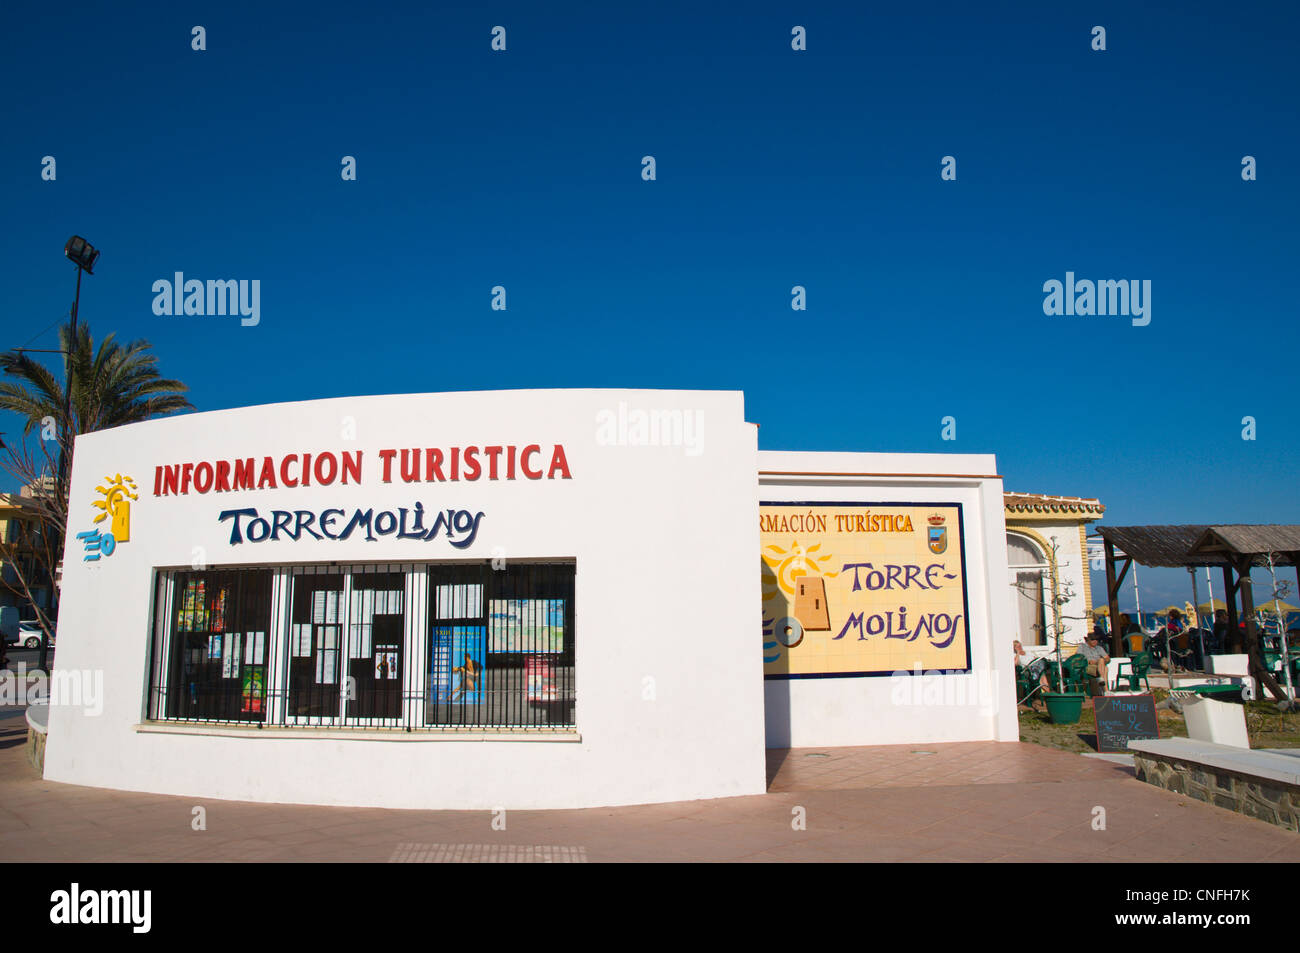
{"type": "Point", "coordinates": [1200, 626]}
{"type": "Point", "coordinates": [84, 255]}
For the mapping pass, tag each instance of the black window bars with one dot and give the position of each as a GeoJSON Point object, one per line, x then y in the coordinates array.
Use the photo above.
{"type": "Point", "coordinates": [374, 647]}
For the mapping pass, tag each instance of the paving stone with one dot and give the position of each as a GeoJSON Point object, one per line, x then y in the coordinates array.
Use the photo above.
{"type": "Point", "coordinates": [975, 801]}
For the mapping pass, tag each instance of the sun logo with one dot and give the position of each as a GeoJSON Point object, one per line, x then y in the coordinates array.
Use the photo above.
{"type": "Point", "coordinates": [117, 504]}
{"type": "Point", "coordinates": [783, 566]}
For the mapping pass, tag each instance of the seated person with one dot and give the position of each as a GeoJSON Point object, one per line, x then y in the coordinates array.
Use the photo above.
{"type": "Point", "coordinates": [1195, 639]}
{"type": "Point", "coordinates": [1098, 657]}
{"type": "Point", "coordinates": [1218, 640]}
{"type": "Point", "coordinates": [1036, 667]}
{"type": "Point", "coordinates": [1178, 641]}
{"type": "Point", "coordinates": [1158, 645]}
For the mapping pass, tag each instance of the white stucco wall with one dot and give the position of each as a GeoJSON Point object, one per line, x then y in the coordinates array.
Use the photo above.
{"type": "Point", "coordinates": [668, 676]}
{"type": "Point", "coordinates": [903, 709]}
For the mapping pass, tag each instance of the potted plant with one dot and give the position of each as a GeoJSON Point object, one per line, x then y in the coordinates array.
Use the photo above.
{"type": "Point", "coordinates": [1064, 708]}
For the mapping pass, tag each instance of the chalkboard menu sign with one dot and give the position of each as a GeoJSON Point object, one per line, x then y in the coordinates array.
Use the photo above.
{"type": "Point", "coordinates": [1124, 718]}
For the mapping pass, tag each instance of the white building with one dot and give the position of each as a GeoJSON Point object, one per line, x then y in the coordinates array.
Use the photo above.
{"type": "Point", "coordinates": [525, 599]}
{"type": "Point", "coordinates": [1047, 552]}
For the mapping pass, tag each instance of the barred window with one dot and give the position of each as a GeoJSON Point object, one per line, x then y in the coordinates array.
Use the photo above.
{"type": "Point", "coordinates": [377, 627]}
{"type": "Point", "coordinates": [501, 646]}
{"type": "Point", "coordinates": [376, 646]}
{"type": "Point", "coordinates": [217, 628]}
{"type": "Point", "coordinates": [316, 647]}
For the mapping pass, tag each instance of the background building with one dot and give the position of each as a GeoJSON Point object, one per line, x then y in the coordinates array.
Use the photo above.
{"type": "Point", "coordinates": [18, 524]}
{"type": "Point", "coordinates": [1047, 547]}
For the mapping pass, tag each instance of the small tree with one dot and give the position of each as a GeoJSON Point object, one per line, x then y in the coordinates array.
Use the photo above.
{"type": "Point", "coordinates": [32, 547]}
{"type": "Point", "coordinates": [1062, 595]}
{"type": "Point", "coordinates": [1055, 622]}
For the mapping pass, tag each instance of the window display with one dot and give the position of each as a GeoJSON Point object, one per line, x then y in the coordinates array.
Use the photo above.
{"type": "Point", "coordinates": [498, 650]}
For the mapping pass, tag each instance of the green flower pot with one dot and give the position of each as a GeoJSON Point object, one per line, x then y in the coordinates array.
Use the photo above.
{"type": "Point", "coordinates": [1064, 708]}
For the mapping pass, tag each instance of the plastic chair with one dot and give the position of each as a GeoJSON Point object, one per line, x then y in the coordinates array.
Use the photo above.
{"type": "Point", "coordinates": [1076, 673]}
{"type": "Point", "coordinates": [1026, 686]}
{"type": "Point", "coordinates": [1140, 665]}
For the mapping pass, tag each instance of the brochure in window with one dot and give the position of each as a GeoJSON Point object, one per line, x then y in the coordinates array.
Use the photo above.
{"type": "Point", "coordinates": [254, 688]}
{"type": "Point", "coordinates": [385, 662]}
{"type": "Point", "coordinates": [457, 664]}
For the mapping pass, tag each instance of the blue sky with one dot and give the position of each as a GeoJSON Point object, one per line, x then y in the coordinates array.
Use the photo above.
{"type": "Point", "coordinates": [775, 168]}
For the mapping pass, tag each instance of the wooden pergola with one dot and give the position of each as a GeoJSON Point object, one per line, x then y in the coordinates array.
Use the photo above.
{"type": "Point", "coordinates": [1232, 547]}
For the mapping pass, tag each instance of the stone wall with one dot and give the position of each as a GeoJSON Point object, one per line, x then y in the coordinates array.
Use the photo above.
{"type": "Point", "coordinates": [1268, 801]}
{"type": "Point", "coordinates": [36, 748]}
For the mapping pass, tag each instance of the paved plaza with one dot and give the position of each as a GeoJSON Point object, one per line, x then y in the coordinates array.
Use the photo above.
{"type": "Point", "coordinates": [973, 801]}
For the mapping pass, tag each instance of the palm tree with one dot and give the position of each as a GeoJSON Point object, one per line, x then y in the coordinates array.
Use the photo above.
{"type": "Point", "coordinates": [111, 386]}
{"type": "Point", "coordinates": [101, 387]}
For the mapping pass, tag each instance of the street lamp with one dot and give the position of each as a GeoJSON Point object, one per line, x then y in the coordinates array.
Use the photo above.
{"type": "Point", "coordinates": [84, 255]}
{"type": "Point", "coordinates": [81, 253]}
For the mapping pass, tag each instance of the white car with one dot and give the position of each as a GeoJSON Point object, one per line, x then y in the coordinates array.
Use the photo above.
{"type": "Point", "coordinates": [29, 635]}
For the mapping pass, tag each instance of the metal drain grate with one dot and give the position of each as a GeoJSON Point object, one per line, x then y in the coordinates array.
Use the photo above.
{"type": "Point", "coordinates": [486, 854]}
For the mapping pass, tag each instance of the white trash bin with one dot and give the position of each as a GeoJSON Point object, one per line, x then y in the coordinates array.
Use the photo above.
{"type": "Point", "coordinates": [1223, 723]}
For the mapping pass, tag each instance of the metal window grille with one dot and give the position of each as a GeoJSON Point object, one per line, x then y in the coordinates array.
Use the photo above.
{"type": "Point", "coordinates": [408, 647]}
{"type": "Point", "coordinates": [218, 628]}
{"type": "Point", "coordinates": [501, 646]}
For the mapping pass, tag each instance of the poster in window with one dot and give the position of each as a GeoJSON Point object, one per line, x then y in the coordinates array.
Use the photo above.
{"type": "Point", "coordinates": [230, 664]}
{"type": "Point", "coordinates": [254, 647]}
{"type": "Point", "coordinates": [219, 609]}
{"type": "Point", "coordinates": [456, 664]}
{"type": "Point", "coordinates": [857, 589]}
{"type": "Point", "coordinates": [460, 602]}
{"type": "Point", "coordinates": [539, 677]}
{"type": "Point", "coordinates": [385, 662]}
{"type": "Point", "coordinates": [318, 608]}
{"type": "Point", "coordinates": [199, 620]}
{"type": "Point", "coordinates": [326, 666]}
{"type": "Point", "coordinates": [192, 617]}
{"type": "Point", "coordinates": [214, 646]}
{"type": "Point", "coordinates": [526, 625]}
{"type": "Point", "coordinates": [254, 688]}
{"type": "Point", "coordinates": [360, 640]}
{"type": "Point", "coordinates": [301, 640]}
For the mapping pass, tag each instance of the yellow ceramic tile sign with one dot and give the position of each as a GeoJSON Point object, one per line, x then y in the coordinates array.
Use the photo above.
{"type": "Point", "coordinates": [863, 589]}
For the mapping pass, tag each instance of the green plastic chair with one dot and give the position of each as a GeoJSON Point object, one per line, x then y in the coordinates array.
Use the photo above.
{"type": "Point", "coordinates": [1076, 673]}
{"type": "Point", "coordinates": [1140, 664]}
{"type": "Point", "coordinates": [1026, 686]}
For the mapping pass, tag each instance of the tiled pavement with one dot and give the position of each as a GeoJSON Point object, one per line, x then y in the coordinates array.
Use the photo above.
{"type": "Point", "coordinates": [979, 801]}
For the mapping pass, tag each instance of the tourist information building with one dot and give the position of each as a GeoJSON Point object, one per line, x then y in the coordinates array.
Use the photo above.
{"type": "Point", "coordinates": [520, 599]}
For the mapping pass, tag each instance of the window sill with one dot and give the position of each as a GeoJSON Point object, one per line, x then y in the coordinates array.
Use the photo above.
{"type": "Point", "coordinates": [362, 734]}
